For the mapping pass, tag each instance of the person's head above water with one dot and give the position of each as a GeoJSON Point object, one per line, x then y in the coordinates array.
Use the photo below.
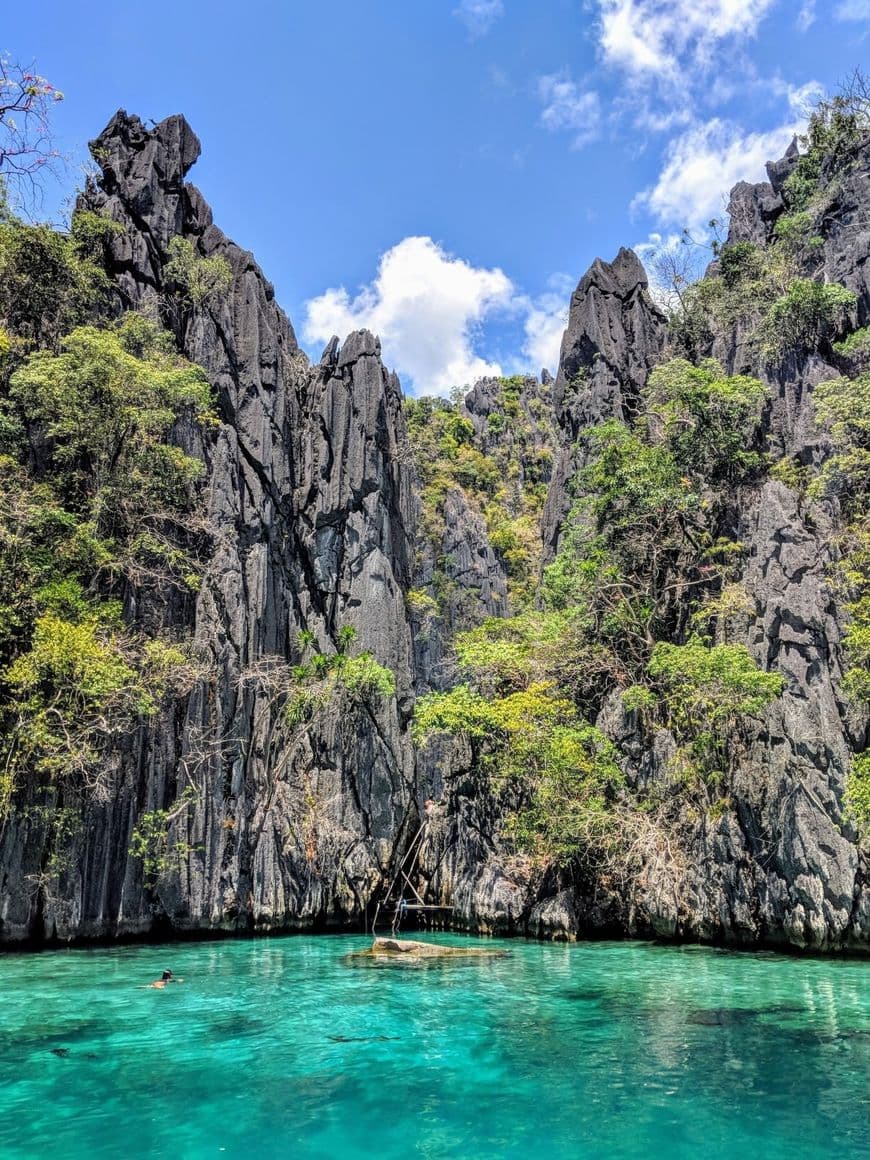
{"type": "Point", "coordinates": [167, 975]}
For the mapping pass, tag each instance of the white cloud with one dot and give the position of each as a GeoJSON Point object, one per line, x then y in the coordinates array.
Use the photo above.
{"type": "Point", "coordinates": [544, 325]}
{"type": "Point", "coordinates": [807, 15]}
{"type": "Point", "coordinates": [802, 99]}
{"type": "Point", "coordinates": [650, 120]}
{"type": "Point", "coordinates": [568, 108]}
{"type": "Point", "coordinates": [426, 305]}
{"type": "Point", "coordinates": [853, 10]}
{"type": "Point", "coordinates": [623, 41]}
{"type": "Point", "coordinates": [478, 16]}
{"type": "Point", "coordinates": [701, 166]}
{"type": "Point", "coordinates": [662, 38]}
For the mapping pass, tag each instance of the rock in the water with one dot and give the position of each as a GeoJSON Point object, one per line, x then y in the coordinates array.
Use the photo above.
{"type": "Point", "coordinates": [411, 949]}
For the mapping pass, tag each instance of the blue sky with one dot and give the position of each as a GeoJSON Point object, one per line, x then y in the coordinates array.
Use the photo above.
{"type": "Point", "coordinates": [444, 171]}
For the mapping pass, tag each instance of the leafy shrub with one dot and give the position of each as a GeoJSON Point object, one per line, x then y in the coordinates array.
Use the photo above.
{"type": "Point", "coordinates": [795, 235]}
{"type": "Point", "coordinates": [51, 281]}
{"type": "Point", "coordinates": [505, 654]}
{"type": "Point", "coordinates": [858, 793]}
{"type": "Point", "coordinates": [155, 845]}
{"type": "Point", "coordinates": [712, 305]}
{"type": "Point", "coordinates": [626, 524]}
{"type": "Point", "coordinates": [705, 690]}
{"type": "Point", "coordinates": [800, 318]}
{"type": "Point", "coordinates": [856, 344]}
{"type": "Point", "coordinates": [78, 664]}
{"type": "Point", "coordinates": [531, 740]}
{"type": "Point", "coordinates": [741, 262]}
{"type": "Point", "coordinates": [420, 602]}
{"type": "Point", "coordinates": [461, 711]}
{"type": "Point", "coordinates": [365, 679]}
{"type": "Point", "coordinates": [194, 278]}
{"type": "Point", "coordinates": [108, 414]}
{"type": "Point", "coordinates": [106, 407]}
{"type": "Point", "coordinates": [835, 128]}
{"type": "Point", "coordinates": [842, 407]}
{"type": "Point", "coordinates": [707, 419]}
{"type": "Point", "coordinates": [790, 472]}
{"type": "Point", "coordinates": [570, 812]}
{"type": "Point", "coordinates": [638, 699]}
{"type": "Point", "coordinates": [75, 686]}
{"type": "Point", "coordinates": [361, 676]}
{"type": "Point", "coordinates": [719, 612]}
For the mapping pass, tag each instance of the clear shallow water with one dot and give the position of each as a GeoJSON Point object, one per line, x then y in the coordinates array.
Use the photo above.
{"type": "Point", "coordinates": [280, 1048]}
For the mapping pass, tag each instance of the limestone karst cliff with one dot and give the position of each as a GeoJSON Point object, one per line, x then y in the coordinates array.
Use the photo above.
{"type": "Point", "coordinates": [779, 865]}
{"type": "Point", "coordinates": [320, 520]}
{"type": "Point", "coordinates": [312, 512]}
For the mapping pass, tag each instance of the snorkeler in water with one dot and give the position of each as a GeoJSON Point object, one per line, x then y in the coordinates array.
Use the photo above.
{"type": "Point", "coordinates": [168, 977]}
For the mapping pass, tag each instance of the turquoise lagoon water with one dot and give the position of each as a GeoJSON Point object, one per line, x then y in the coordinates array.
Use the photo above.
{"type": "Point", "coordinates": [280, 1047]}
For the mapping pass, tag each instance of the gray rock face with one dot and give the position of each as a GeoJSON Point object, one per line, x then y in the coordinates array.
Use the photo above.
{"type": "Point", "coordinates": [312, 515]}
{"type": "Point", "coordinates": [614, 337]}
{"type": "Point", "coordinates": [470, 585]}
{"type": "Point", "coordinates": [531, 405]}
{"type": "Point", "coordinates": [752, 213]}
{"type": "Point", "coordinates": [847, 233]}
{"type": "Point", "coordinates": [315, 525]}
{"type": "Point", "coordinates": [779, 864]}
{"type": "Point", "coordinates": [754, 208]}
{"type": "Point", "coordinates": [780, 171]}
{"type": "Point", "coordinates": [776, 862]}
{"type": "Point", "coordinates": [461, 862]}
{"type": "Point", "coordinates": [462, 573]}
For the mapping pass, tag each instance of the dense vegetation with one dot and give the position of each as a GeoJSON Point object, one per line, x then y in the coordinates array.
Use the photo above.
{"type": "Point", "coordinates": [774, 296]}
{"type": "Point", "coordinates": [642, 612]}
{"type": "Point", "coordinates": [502, 472]}
{"type": "Point", "coordinates": [643, 563]}
{"type": "Point", "coordinates": [634, 630]}
{"type": "Point", "coordinates": [98, 502]}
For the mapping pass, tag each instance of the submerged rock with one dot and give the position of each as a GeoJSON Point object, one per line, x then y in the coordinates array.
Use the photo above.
{"type": "Point", "coordinates": [722, 1016]}
{"type": "Point", "coordinates": [392, 948]}
{"type": "Point", "coordinates": [364, 1038]}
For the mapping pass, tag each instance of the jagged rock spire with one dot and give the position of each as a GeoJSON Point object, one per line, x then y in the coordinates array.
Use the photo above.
{"type": "Point", "coordinates": [614, 337]}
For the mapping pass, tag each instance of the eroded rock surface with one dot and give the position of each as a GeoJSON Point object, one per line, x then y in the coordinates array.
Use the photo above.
{"type": "Point", "coordinates": [312, 515]}
{"type": "Point", "coordinates": [615, 336]}
{"type": "Point", "coordinates": [780, 864]}
{"type": "Point", "coordinates": [314, 523]}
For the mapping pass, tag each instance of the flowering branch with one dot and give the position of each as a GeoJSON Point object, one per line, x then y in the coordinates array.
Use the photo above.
{"type": "Point", "coordinates": [26, 142]}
